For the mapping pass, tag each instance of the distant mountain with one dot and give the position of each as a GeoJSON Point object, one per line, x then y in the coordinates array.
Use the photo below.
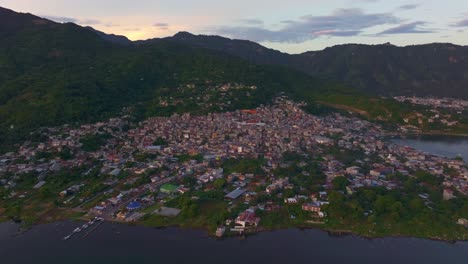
{"type": "Point", "coordinates": [421, 70]}
{"type": "Point", "coordinates": [116, 39]}
{"type": "Point", "coordinates": [248, 50]}
{"type": "Point", "coordinates": [53, 73]}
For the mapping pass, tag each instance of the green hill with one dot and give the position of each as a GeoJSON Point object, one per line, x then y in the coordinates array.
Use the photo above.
{"type": "Point", "coordinates": [54, 73]}
{"type": "Point", "coordinates": [438, 69]}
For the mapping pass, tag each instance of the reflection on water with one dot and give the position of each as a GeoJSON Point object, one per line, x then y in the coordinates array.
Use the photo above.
{"type": "Point", "coordinates": [113, 243]}
{"type": "Point", "coordinates": [439, 145]}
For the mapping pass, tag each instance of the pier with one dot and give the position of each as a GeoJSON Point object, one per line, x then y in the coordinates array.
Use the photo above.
{"type": "Point", "coordinates": [97, 220]}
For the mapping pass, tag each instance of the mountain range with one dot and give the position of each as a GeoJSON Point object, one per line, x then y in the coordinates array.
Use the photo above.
{"type": "Point", "coordinates": [437, 69]}
{"type": "Point", "coordinates": [53, 73]}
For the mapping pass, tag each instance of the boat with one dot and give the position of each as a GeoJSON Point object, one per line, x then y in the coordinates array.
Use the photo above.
{"type": "Point", "coordinates": [84, 226]}
{"type": "Point", "coordinates": [67, 237]}
{"type": "Point", "coordinates": [77, 230]}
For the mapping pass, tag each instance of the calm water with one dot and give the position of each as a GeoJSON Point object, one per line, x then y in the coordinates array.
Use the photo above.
{"type": "Point", "coordinates": [439, 145]}
{"type": "Point", "coordinates": [113, 243]}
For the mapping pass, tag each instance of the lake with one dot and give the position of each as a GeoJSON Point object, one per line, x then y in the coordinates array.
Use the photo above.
{"type": "Point", "coordinates": [113, 243]}
{"type": "Point", "coordinates": [439, 145]}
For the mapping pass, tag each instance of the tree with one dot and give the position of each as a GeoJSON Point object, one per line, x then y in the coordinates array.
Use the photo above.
{"type": "Point", "coordinates": [45, 192]}
{"type": "Point", "coordinates": [340, 183]}
{"type": "Point", "coordinates": [219, 183]}
{"type": "Point", "coordinates": [160, 142]}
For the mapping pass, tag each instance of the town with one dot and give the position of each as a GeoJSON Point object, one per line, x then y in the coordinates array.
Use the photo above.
{"type": "Point", "coordinates": [243, 165]}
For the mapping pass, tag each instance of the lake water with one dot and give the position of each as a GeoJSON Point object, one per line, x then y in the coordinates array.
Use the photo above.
{"type": "Point", "coordinates": [440, 145]}
{"type": "Point", "coordinates": [113, 243]}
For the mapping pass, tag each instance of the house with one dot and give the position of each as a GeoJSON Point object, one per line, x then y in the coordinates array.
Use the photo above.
{"type": "Point", "coordinates": [39, 185]}
{"type": "Point", "coordinates": [323, 195]}
{"type": "Point", "coordinates": [323, 140]}
{"type": "Point", "coordinates": [234, 194]}
{"type": "Point", "coordinates": [463, 222]}
{"type": "Point", "coordinates": [448, 194]}
{"type": "Point", "coordinates": [122, 215]}
{"type": "Point", "coordinates": [247, 219]}
{"type": "Point", "coordinates": [290, 200]}
{"type": "Point", "coordinates": [98, 210]}
{"type": "Point", "coordinates": [354, 170]}
{"type": "Point", "coordinates": [312, 207]}
{"type": "Point", "coordinates": [115, 172]}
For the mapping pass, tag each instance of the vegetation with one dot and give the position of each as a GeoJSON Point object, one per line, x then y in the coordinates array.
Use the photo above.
{"type": "Point", "coordinates": [380, 212]}
{"type": "Point", "coordinates": [94, 142]}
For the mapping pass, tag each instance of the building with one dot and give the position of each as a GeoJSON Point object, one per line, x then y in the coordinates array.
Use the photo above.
{"type": "Point", "coordinates": [234, 194]}
{"type": "Point", "coordinates": [39, 185]}
{"type": "Point", "coordinates": [168, 188]}
{"type": "Point", "coordinates": [133, 206]}
{"type": "Point", "coordinates": [463, 222]}
{"type": "Point", "coordinates": [290, 201]}
{"type": "Point", "coordinates": [448, 194]}
{"type": "Point", "coordinates": [354, 170]}
{"type": "Point", "coordinates": [312, 207]}
{"type": "Point", "coordinates": [247, 219]}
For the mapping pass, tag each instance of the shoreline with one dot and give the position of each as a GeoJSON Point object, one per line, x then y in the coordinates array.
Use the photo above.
{"type": "Point", "coordinates": [449, 134]}
{"type": "Point", "coordinates": [260, 230]}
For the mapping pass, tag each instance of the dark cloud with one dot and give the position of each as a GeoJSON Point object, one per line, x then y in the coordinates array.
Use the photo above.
{"type": "Point", "coordinates": [409, 28]}
{"type": "Point", "coordinates": [461, 23]}
{"type": "Point", "coordinates": [162, 26]}
{"type": "Point", "coordinates": [342, 22]}
{"type": "Point", "coordinates": [409, 6]}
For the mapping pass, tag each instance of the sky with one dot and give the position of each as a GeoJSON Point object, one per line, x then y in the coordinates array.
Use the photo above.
{"type": "Point", "coordinates": [292, 26]}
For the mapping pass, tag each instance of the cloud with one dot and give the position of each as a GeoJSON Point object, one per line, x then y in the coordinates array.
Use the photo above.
{"type": "Point", "coordinates": [162, 26]}
{"type": "Point", "coordinates": [461, 23]}
{"type": "Point", "coordinates": [409, 28]}
{"type": "Point", "coordinates": [342, 22]}
{"type": "Point", "coordinates": [408, 7]}
{"type": "Point", "coordinates": [252, 21]}
{"type": "Point", "coordinates": [89, 22]}
{"type": "Point", "coordinates": [337, 33]}
{"type": "Point", "coordinates": [60, 19]}
{"type": "Point", "coordinates": [132, 29]}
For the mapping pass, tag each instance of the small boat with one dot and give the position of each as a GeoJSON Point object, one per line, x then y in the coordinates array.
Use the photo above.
{"type": "Point", "coordinates": [77, 230]}
{"type": "Point", "coordinates": [84, 226]}
{"type": "Point", "coordinates": [67, 237]}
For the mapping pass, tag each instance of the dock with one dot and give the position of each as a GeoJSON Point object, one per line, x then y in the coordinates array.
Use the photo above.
{"type": "Point", "coordinates": [97, 220]}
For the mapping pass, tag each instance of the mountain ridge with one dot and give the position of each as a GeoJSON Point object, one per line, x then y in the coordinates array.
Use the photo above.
{"type": "Point", "coordinates": [53, 74]}
{"type": "Point", "coordinates": [434, 69]}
